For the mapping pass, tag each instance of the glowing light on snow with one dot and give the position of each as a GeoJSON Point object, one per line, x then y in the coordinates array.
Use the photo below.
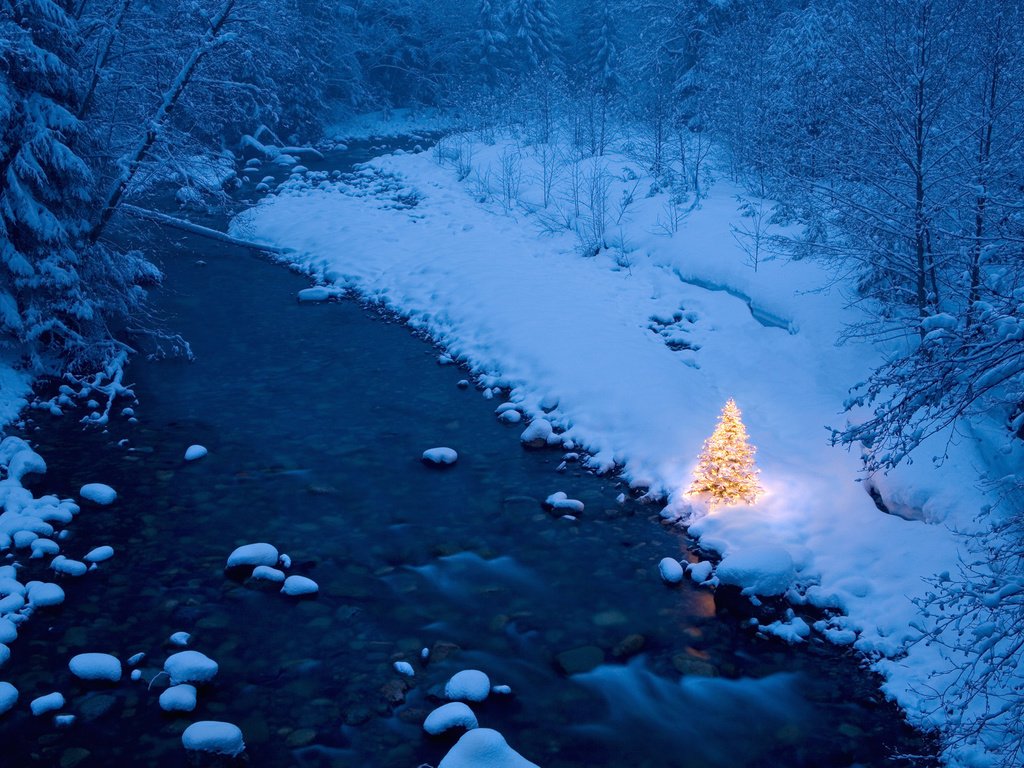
{"type": "Point", "coordinates": [726, 472]}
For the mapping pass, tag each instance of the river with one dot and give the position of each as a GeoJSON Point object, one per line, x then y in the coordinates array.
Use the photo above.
{"type": "Point", "coordinates": [315, 416]}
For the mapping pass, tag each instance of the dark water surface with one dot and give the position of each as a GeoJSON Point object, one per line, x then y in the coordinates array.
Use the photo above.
{"type": "Point", "coordinates": [315, 417]}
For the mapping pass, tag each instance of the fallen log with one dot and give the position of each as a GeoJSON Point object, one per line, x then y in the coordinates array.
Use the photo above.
{"type": "Point", "coordinates": [197, 229]}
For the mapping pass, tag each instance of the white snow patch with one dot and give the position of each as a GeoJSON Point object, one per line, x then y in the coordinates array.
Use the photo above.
{"type": "Point", "coordinates": [190, 667]}
{"type": "Point", "coordinates": [214, 736]}
{"type": "Point", "coordinates": [253, 554]}
{"type": "Point", "coordinates": [267, 573]}
{"type": "Point", "coordinates": [8, 697]}
{"type": "Point", "coordinates": [44, 593]}
{"type": "Point", "coordinates": [179, 639]}
{"type": "Point", "coordinates": [764, 570]}
{"type": "Point", "coordinates": [561, 501]}
{"type": "Point", "coordinates": [454, 714]}
{"type": "Point", "coordinates": [483, 748]}
{"type": "Point", "coordinates": [51, 702]}
{"type": "Point", "coordinates": [296, 586]}
{"type": "Point", "coordinates": [440, 456]}
{"type": "Point", "coordinates": [404, 668]}
{"type": "Point", "coordinates": [98, 493]}
{"type": "Point", "coordinates": [99, 555]}
{"type": "Point", "coordinates": [95, 666]}
{"type": "Point", "coordinates": [178, 698]}
{"type": "Point", "coordinates": [671, 570]}
{"type": "Point", "coordinates": [194, 452]}
{"type": "Point", "coordinates": [468, 685]}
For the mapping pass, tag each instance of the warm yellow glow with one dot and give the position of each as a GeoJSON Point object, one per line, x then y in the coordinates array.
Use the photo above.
{"type": "Point", "coordinates": [726, 473]}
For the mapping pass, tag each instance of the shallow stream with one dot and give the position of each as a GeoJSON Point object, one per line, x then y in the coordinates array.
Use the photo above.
{"type": "Point", "coordinates": [315, 417]}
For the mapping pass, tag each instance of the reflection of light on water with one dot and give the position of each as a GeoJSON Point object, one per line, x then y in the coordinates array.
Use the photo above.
{"type": "Point", "coordinates": [699, 716]}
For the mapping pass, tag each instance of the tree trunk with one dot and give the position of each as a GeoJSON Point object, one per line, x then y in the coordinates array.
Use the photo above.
{"type": "Point", "coordinates": [163, 112]}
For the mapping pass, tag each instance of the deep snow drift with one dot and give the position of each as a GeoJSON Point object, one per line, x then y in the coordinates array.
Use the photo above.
{"type": "Point", "coordinates": [630, 355]}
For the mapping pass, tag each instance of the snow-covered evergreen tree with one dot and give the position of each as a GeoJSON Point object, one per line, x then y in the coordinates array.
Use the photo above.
{"type": "Point", "coordinates": [491, 41]}
{"type": "Point", "coordinates": [535, 38]}
{"type": "Point", "coordinates": [56, 291]}
{"type": "Point", "coordinates": [726, 472]}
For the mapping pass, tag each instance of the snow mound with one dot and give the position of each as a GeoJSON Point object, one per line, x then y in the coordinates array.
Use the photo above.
{"type": "Point", "coordinates": [95, 666]}
{"type": "Point", "coordinates": [468, 685]}
{"type": "Point", "coordinates": [454, 714]}
{"type": "Point", "coordinates": [51, 702]}
{"type": "Point", "coordinates": [317, 293]}
{"type": "Point", "coordinates": [44, 593]}
{"type": "Point", "coordinates": [671, 570]}
{"type": "Point", "coordinates": [8, 697]}
{"type": "Point", "coordinates": [766, 570]}
{"type": "Point", "coordinates": [99, 555]}
{"type": "Point", "coordinates": [180, 639]}
{"type": "Point", "coordinates": [267, 573]}
{"type": "Point", "coordinates": [440, 456]}
{"type": "Point", "coordinates": [98, 493]}
{"type": "Point", "coordinates": [214, 736]}
{"type": "Point", "coordinates": [297, 586]}
{"type": "Point", "coordinates": [194, 452]}
{"type": "Point", "coordinates": [561, 502]}
{"type": "Point", "coordinates": [178, 698]}
{"type": "Point", "coordinates": [483, 748]}
{"type": "Point", "coordinates": [253, 554]}
{"type": "Point", "coordinates": [190, 667]}
{"type": "Point", "coordinates": [404, 668]}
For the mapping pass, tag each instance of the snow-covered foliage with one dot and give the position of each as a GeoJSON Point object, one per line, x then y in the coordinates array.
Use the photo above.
{"type": "Point", "coordinates": [59, 287]}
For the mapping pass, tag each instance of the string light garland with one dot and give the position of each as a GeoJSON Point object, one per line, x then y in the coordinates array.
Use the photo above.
{"type": "Point", "coordinates": [726, 472]}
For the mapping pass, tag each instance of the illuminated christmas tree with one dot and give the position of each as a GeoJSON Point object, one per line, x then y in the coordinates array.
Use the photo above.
{"type": "Point", "coordinates": [726, 473]}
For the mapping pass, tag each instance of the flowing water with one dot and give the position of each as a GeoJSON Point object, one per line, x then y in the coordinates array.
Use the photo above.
{"type": "Point", "coordinates": [315, 417]}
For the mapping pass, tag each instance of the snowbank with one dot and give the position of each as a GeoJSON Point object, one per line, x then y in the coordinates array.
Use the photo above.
{"type": "Point", "coordinates": [630, 354]}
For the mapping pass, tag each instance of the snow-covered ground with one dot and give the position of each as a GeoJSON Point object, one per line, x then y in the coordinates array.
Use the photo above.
{"type": "Point", "coordinates": [631, 354]}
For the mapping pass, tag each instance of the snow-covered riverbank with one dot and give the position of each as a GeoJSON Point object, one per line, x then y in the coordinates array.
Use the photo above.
{"type": "Point", "coordinates": [630, 354]}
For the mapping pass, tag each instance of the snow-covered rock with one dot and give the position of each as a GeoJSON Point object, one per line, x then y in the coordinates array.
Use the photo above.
{"type": "Point", "coordinates": [44, 547]}
{"type": "Point", "coordinates": [135, 659]}
{"type": "Point", "coordinates": [510, 416]}
{"type": "Point", "coordinates": [253, 555]}
{"type": "Point", "coordinates": [5, 654]}
{"type": "Point", "coordinates": [190, 667]}
{"type": "Point", "coordinates": [8, 630]}
{"type": "Point", "coordinates": [483, 748]}
{"type": "Point", "coordinates": [765, 570]}
{"type": "Point", "coordinates": [793, 630]}
{"type": "Point", "coordinates": [538, 434]}
{"type": "Point", "coordinates": [98, 493]}
{"type": "Point", "coordinates": [296, 586]}
{"type": "Point", "coordinates": [440, 456]}
{"type": "Point", "coordinates": [671, 570]}
{"type": "Point", "coordinates": [179, 639]}
{"type": "Point", "coordinates": [51, 702]}
{"type": "Point", "coordinates": [95, 666]}
{"type": "Point", "coordinates": [267, 573]}
{"type": "Point", "coordinates": [68, 567]}
{"type": "Point", "coordinates": [99, 555]}
{"type": "Point", "coordinates": [214, 736]}
{"type": "Point", "coordinates": [64, 721]}
{"type": "Point", "coordinates": [561, 502]}
{"type": "Point", "coordinates": [194, 452]}
{"type": "Point", "coordinates": [178, 698]}
{"type": "Point", "coordinates": [454, 714]}
{"type": "Point", "coordinates": [700, 571]}
{"type": "Point", "coordinates": [404, 668]}
{"type": "Point", "coordinates": [317, 293]}
{"type": "Point", "coordinates": [44, 593]}
{"type": "Point", "coordinates": [8, 697]}
{"type": "Point", "coordinates": [468, 685]}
